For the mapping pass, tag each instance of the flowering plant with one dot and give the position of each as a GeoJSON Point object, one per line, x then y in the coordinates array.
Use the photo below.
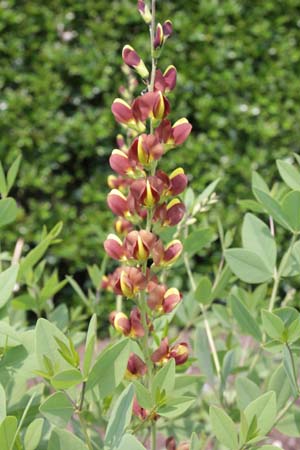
{"type": "Point", "coordinates": [226, 375]}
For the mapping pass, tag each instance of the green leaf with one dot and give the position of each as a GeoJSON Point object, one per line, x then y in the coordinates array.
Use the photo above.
{"type": "Point", "coordinates": [291, 209]}
{"type": "Point", "coordinates": [66, 379]}
{"type": "Point", "coordinates": [197, 240]}
{"type": "Point", "coordinates": [281, 386]}
{"type": "Point", "coordinates": [57, 409]}
{"type": "Point", "coordinates": [175, 407]}
{"type": "Point", "coordinates": [2, 403]}
{"type": "Point", "coordinates": [273, 325]}
{"type": "Point", "coordinates": [259, 183]}
{"type": "Point", "coordinates": [13, 172]}
{"type": "Point", "coordinates": [8, 280]}
{"type": "Point", "coordinates": [195, 442]}
{"type": "Point", "coordinates": [288, 364]}
{"type": "Point", "coordinates": [223, 427]}
{"type": "Point", "coordinates": [33, 434]}
{"type": "Point", "coordinates": [247, 391]}
{"type": "Point", "coordinates": [264, 409]}
{"type": "Point", "coordinates": [290, 424]}
{"type": "Point", "coordinates": [293, 332]}
{"type": "Point", "coordinates": [8, 429]}
{"type": "Point", "coordinates": [256, 237]}
{"type": "Point", "coordinates": [289, 174]}
{"type": "Point", "coordinates": [164, 380]}
{"type": "Point", "coordinates": [272, 207]}
{"type": "Point", "coordinates": [110, 367]}
{"type": "Point", "coordinates": [203, 355]}
{"type": "Point", "coordinates": [252, 205]}
{"type": "Point", "coordinates": [51, 287]}
{"type": "Point", "coordinates": [143, 395]}
{"type": "Point", "coordinates": [119, 418]}
{"type": "Point", "coordinates": [90, 345]}
{"type": "Point", "coordinates": [221, 285]}
{"type": "Point", "coordinates": [78, 290]}
{"type": "Point", "coordinates": [8, 211]}
{"type": "Point", "coordinates": [3, 185]}
{"type": "Point", "coordinates": [292, 267]}
{"type": "Point", "coordinates": [46, 335]}
{"type": "Point", "coordinates": [247, 266]}
{"type": "Point", "coordinates": [203, 291]}
{"type": "Point", "coordinates": [130, 442]}
{"type": "Point", "coordinates": [62, 440]}
{"type": "Point", "coordinates": [243, 317]}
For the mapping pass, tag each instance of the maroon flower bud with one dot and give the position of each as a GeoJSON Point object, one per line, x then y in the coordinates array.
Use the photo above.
{"type": "Point", "coordinates": [138, 411]}
{"type": "Point", "coordinates": [121, 142]}
{"type": "Point", "coordinates": [159, 36]}
{"type": "Point", "coordinates": [178, 181]}
{"type": "Point", "coordinates": [114, 247]}
{"type": "Point", "coordinates": [170, 443]}
{"type": "Point", "coordinates": [136, 367]}
{"type": "Point", "coordinates": [137, 329]}
{"type": "Point", "coordinates": [181, 130]}
{"type": "Point", "coordinates": [161, 355]}
{"type": "Point", "coordinates": [171, 299]}
{"type": "Point", "coordinates": [117, 202]}
{"type": "Point", "coordinates": [123, 226]}
{"type": "Point", "coordinates": [144, 11]}
{"type": "Point", "coordinates": [121, 323]}
{"type": "Point", "coordinates": [167, 29]}
{"type": "Point", "coordinates": [133, 60]}
{"type": "Point", "coordinates": [120, 163]}
{"type": "Point", "coordinates": [170, 76]}
{"type": "Point", "coordinates": [175, 211]}
{"type": "Point", "coordinates": [180, 353]}
{"type": "Point", "coordinates": [125, 115]}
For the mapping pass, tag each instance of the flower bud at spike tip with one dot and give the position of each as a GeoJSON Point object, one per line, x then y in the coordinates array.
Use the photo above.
{"type": "Point", "coordinates": [144, 11]}
{"type": "Point", "coordinates": [133, 60]}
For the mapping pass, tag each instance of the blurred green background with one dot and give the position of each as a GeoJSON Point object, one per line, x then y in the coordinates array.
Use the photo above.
{"type": "Point", "coordinates": [239, 67]}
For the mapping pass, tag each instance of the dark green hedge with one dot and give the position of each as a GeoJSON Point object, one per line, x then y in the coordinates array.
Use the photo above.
{"type": "Point", "coordinates": [239, 66]}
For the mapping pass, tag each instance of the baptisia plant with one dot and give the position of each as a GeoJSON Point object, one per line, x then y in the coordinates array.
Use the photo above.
{"type": "Point", "coordinates": [146, 201]}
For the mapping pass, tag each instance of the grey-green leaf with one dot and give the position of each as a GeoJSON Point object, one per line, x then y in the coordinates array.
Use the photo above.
{"type": "Point", "coordinates": [247, 266]}
{"type": "Point", "coordinates": [223, 427]}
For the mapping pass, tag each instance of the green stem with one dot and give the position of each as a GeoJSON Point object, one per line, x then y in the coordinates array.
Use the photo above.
{"type": "Point", "coordinates": [284, 410]}
{"type": "Point", "coordinates": [84, 429]}
{"type": "Point", "coordinates": [206, 322]}
{"type": "Point", "coordinates": [278, 274]}
{"type": "Point", "coordinates": [153, 59]}
{"type": "Point", "coordinates": [153, 435]}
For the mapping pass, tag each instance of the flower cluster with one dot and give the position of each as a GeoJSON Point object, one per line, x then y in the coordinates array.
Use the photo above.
{"type": "Point", "coordinates": [144, 200]}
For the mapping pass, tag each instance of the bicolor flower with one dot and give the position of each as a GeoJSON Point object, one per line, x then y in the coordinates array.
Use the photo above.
{"type": "Point", "coordinates": [114, 247]}
{"type": "Point", "coordinates": [146, 149]}
{"type": "Point", "coordinates": [128, 326]}
{"type": "Point", "coordinates": [162, 299]}
{"type": "Point", "coordinates": [173, 135]}
{"type": "Point", "coordinates": [165, 82]}
{"type": "Point", "coordinates": [159, 37]}
{"type": "Point", "coordinates": [125, 115]}
{"type": "Point", "coordinates": [122, 226]}
{"type": "Point", "coordinates": [139, 244]}
{"type": "Point", "coordinates": [166, 256]}
{"type": "Point", "coordinates": [164, 352]}
{"type": "Point", "coordinates": [147, 191]}
{"type": "Point", "coordinates": [120, 163]}
{"type": "Point", "coordinates": [136, 367]}
{"type": "Point", "coordinates": [117, 202]}
{"type": "Point", "coordinates": [178, 181]}
{"type": "Point", "coordinates": [130, 282]}
{"type": "Point", "coordinates": [133, 60]}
